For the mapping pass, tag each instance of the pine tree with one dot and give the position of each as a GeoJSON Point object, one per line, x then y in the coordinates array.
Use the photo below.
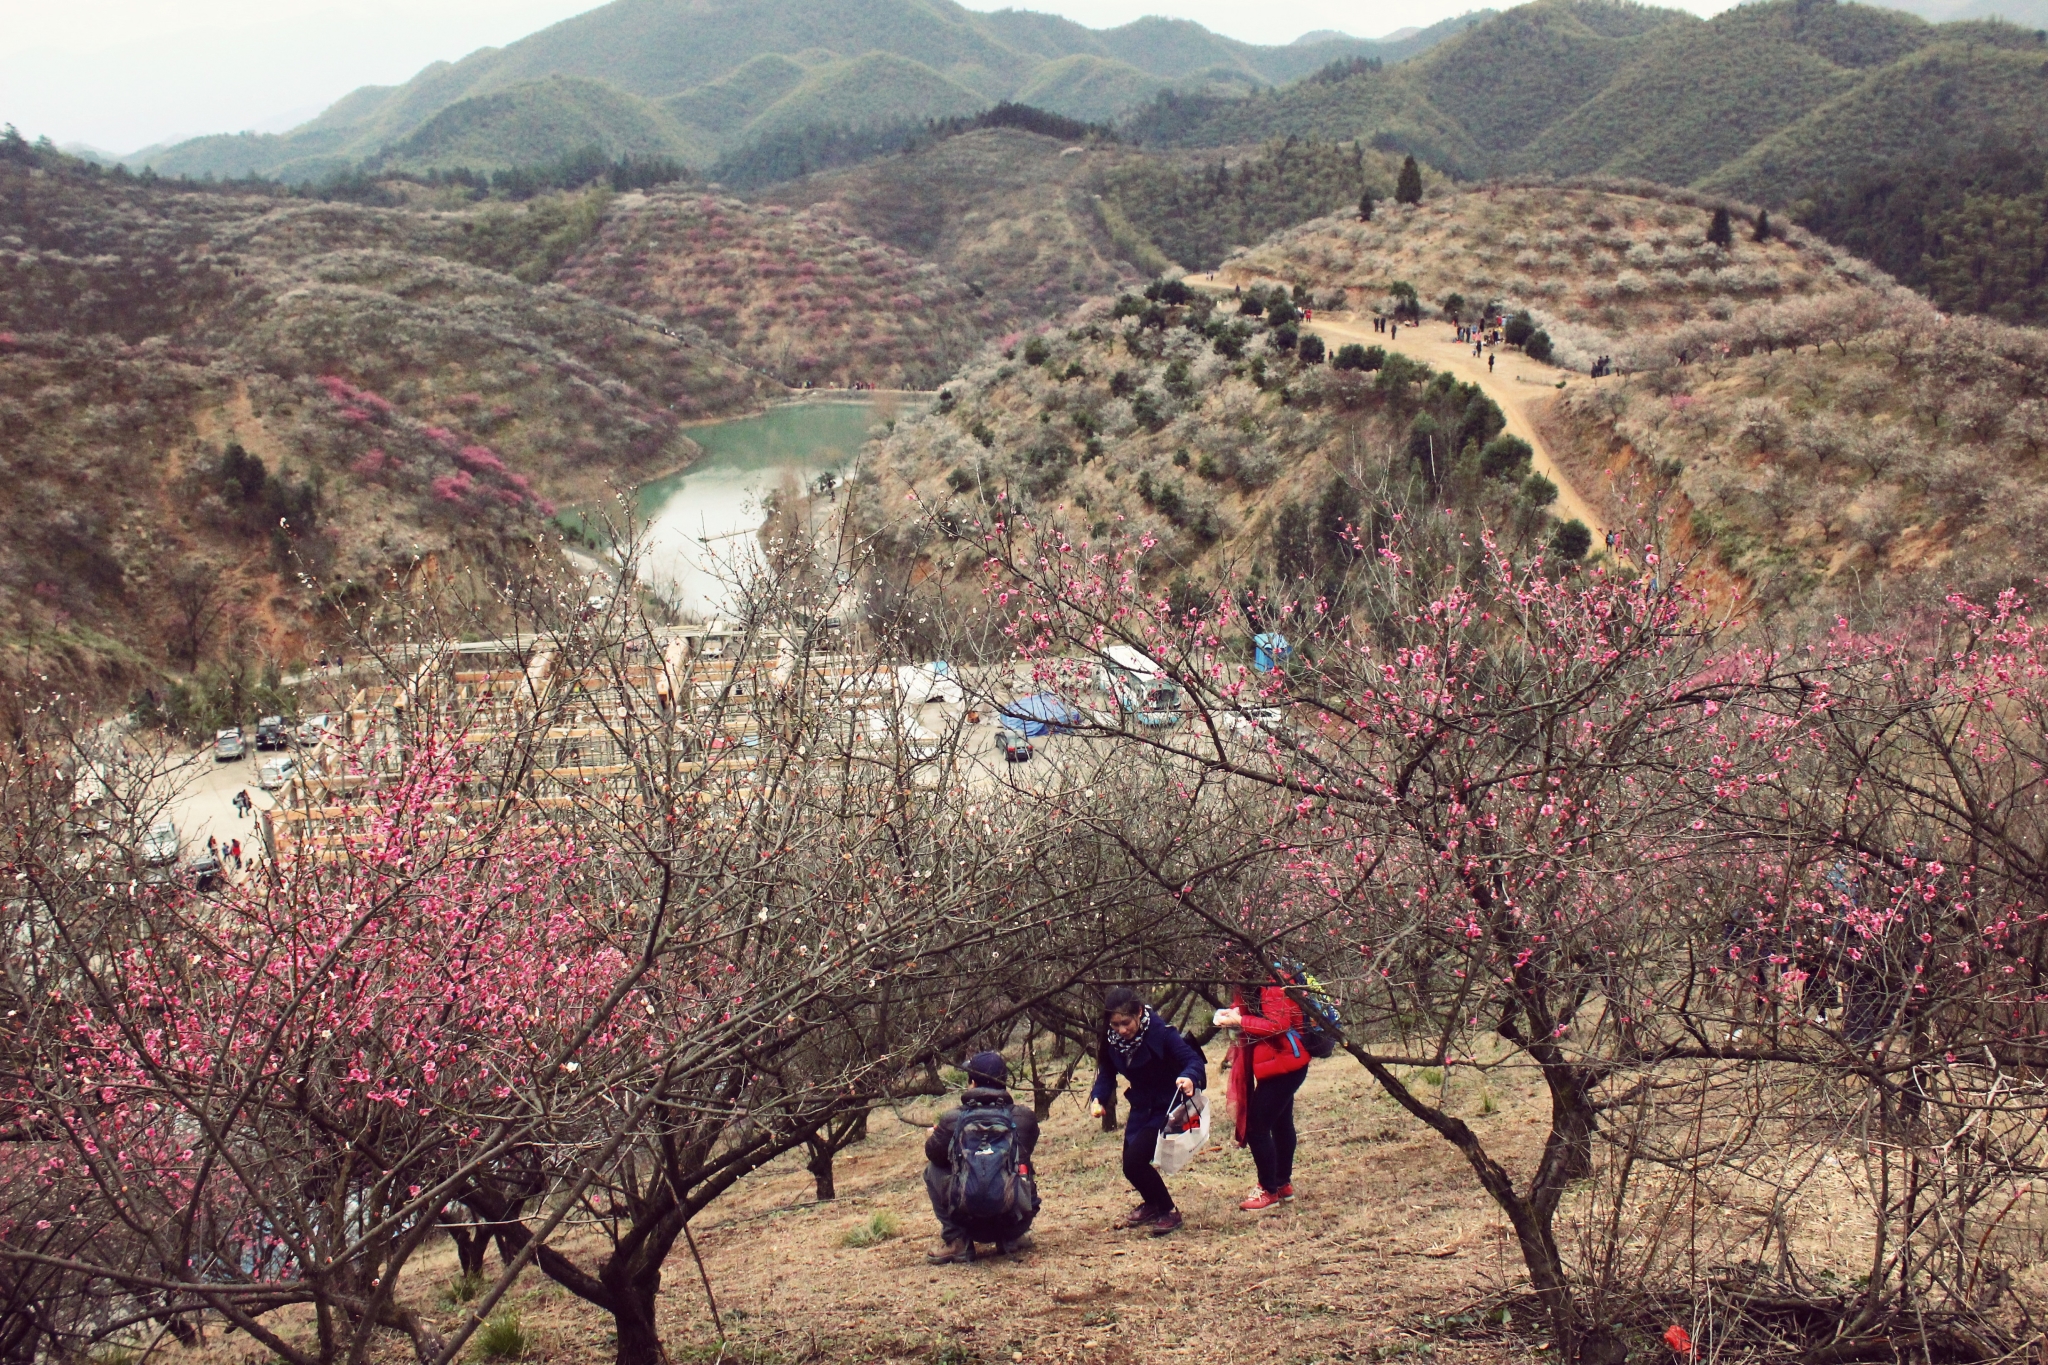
{"type": "Point", "coordinates": [1409, 189]}
{"type": "Point", "coordinates": [1719, 232]}
{"type": "Point", "coordinates": [1763, 225]}
{"type": "Point", "coordinates": [1365, 207]}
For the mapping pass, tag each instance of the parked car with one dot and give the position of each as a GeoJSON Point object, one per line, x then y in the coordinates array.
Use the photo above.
{"type": "Point", "coordinates": [227, 745]}
{"type": "Point", "coordinates": [270, 733]}
{"type": "Point", "coordinates": [315, 728]}
{"type": "Point", "coordinates": [160, 845]}
{"type": "Point", "coordinates": [1016, 747]}
{"type": "Point", "coordinates": [1253, 724]}
{"type": "Point", "coordinates": [278, 772]}
{"type": "Point", "coordinates": [204, 872]}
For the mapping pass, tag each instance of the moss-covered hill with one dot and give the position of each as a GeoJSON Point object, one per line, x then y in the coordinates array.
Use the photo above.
{"type": "Point", "coordinates": [180, 372]}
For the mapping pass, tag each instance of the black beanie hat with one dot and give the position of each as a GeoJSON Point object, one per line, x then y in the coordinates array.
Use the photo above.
{"type": "Point", "coordinates": [989, 1067]}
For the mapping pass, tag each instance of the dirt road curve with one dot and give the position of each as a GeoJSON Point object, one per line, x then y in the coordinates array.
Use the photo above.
{"type": "Point", "coordinates": [1516, 383]}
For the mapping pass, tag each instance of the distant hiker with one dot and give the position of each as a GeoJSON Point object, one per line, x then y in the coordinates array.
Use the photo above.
{"type": "Point", "coordinates": [1267, 1066]}
{"type": "Point", "coordinates": [1150, 1053]}
{"type": "Point", "coordinates": [978, 1166]}
{"type": "Point", "coordinates": [213, 848]}
{"type": "Point", "coordinates": [235, 852]}
{"type": "Point", "coordinates": [248, 806]}
{"type": "Point", "coordinates": [1489, 364]}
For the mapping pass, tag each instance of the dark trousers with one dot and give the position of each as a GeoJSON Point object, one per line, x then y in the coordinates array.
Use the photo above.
{"type": "Point", "coordinates": [1269, 1129]}
{"type": "Point", "coordinates": [951, 1229]}
{"type": "Point", "coordinates": [1139, 1144]}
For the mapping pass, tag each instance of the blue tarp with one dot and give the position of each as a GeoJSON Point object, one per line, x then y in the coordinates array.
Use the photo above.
{"type": "Point", "coordinates": [1041, 713]}
{"type": "Point", "coordinates": [1269, 651]}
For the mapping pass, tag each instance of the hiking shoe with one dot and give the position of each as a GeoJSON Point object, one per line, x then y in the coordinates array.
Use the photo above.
{"type": "Point", "coordinates": [1139, 1216]}
{"type": "Point", "coordinates": [1166, 1222]}
{"type": "Point", "coordinates": [1261, 1199]}
{"type": "Point", "coordinates": [1015, 1245]}
{"type": "Point", "coordinates": [952, 1253]}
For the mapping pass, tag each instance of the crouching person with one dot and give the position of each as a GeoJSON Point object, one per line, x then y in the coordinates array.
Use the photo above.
{"type": "Point", "coordinates": [978, 1169]}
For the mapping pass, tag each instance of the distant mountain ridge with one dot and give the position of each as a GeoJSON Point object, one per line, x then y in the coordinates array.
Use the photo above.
{"type": "Point", "coordinates": [692, 78]}
{"type": "Point", "coordinates": [1766, 100]}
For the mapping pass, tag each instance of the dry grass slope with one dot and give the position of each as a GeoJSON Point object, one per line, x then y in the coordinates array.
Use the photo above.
{"type": "Point", "coordinates": [1607, 271]}
{"type": "Point", "coordinates": [1008, 212]}
{"type": "Point", "coordinates": [408, 405]}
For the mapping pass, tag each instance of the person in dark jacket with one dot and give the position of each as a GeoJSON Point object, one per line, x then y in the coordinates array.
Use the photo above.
{"type": "Point", "coordinates": [987, 1088]}
{"type": "Point", "coordinates": [1267, 1067]}
{"type": "Point", "coordinates": [1150, 1053]}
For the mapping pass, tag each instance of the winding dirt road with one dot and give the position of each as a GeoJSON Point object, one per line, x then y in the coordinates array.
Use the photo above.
{"type": "Point", "coordinates": [1517, 383]}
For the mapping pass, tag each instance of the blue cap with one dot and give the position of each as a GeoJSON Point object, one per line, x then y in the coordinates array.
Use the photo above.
{"type": "Point", "coordinates": [989, 1067]}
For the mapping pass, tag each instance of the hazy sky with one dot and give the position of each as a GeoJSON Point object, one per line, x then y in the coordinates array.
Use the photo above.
{"type": "Point", "coordinates": [125, 74]}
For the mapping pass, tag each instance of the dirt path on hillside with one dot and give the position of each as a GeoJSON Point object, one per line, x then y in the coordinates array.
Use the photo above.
{"type": "Point", "coordinates": [1517, 384]}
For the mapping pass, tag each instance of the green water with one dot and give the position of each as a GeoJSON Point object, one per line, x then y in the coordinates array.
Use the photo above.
{"type": "Point", "coordinates": [699, 521]}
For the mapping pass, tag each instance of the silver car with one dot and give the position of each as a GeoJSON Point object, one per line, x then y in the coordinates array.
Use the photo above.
{"type": "Point", "coordinates": [160, 845]}
{"type": "Point", "coordinates": [227, 745]}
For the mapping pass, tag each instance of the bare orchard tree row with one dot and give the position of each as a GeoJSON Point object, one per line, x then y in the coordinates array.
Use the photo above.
{"type": "Point", "coordinates": [1762, 929]}
{"type": "Point", "coordinates": [583, 925]}
{"type": "Point", "coordinates": [574, 930]}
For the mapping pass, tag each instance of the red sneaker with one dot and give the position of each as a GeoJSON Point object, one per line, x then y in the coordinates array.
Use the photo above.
{"type": "Point", "coordinates": [1263, 1199]}
{"type": "Point", "coordinates": [1286, 1192]}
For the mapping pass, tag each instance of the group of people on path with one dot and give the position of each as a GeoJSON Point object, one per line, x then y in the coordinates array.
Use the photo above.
{"type": "Point", "coordinates": [979, 1157]}
{"type": "Point", "coordinates": [224, 852]}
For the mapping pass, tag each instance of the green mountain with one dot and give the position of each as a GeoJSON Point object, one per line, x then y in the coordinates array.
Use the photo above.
{"type": "Point", "coordinates": [734, 100]}
{"type": "Point", "coordinates": [2031, 14]}
{"type": "Point", "coordinates": [723, 72]}
{"type": "Point", "coordinates": [531, 123]}
{"type": "Point", "coordinates": [1766, 101]}
{"type": "Point", "coordinates": [871, 89]}
{"type": "Point", "coordinates": [1087, 87]}
{"type": "Point", "coordinates": [1947, 96]}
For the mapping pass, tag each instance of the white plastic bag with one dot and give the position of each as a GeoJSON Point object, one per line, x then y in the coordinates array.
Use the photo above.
{"type": "Point", "coordinates": [1186, 1133]}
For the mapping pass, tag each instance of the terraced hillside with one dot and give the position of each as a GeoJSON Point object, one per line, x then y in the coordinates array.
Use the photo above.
{"type": "Point", "coordinates": [1627, 273]}
{"type": "Point", "coordinates": [797, 293]}
{"type": "Point", "coordinates": [1201, 433]}
{"type": "Point", "coordinates": [1828, 438]}
{"type": "Point", "coordinates": [1885, 462]}
{"type": "Point", "coordinates": [1009, 213]}
{"type": "Point", "coordinates": [204, 396]}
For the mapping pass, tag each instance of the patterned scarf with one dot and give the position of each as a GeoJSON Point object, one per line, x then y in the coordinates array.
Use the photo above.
{"type": "Point", "coordinates": [1126, 1046]}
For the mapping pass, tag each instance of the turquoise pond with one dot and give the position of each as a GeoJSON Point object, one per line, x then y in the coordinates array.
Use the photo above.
{"type": "Point", "coordinates": [700, 522]}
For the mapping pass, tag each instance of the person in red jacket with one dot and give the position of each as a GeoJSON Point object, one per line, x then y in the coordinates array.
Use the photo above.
{"type": "Point", "coordinates": [1267, 1066]}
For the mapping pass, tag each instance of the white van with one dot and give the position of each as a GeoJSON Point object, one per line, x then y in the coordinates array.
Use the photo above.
{"type": "Point", "coordinates": [1139, 684]}
{"type": "Point", "coordinates": [930, 682]}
